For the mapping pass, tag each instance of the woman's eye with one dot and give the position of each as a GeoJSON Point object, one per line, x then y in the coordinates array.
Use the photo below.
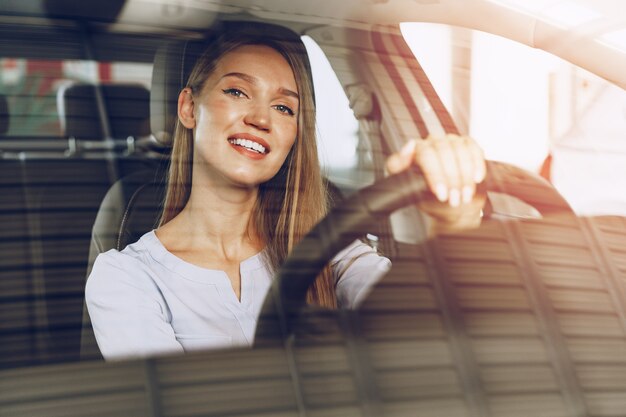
{"type": "Point", "coordinates": [234, 92]}
{"type": "Point", "coordinates": [284, 109]}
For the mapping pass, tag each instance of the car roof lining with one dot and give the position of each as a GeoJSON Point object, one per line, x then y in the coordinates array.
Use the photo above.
{"type": "Point", "coordinates": [580, 44]}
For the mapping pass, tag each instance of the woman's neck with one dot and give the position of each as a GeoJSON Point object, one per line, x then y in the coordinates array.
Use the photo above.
{"type": "Point", "coordinates": [216, 220]}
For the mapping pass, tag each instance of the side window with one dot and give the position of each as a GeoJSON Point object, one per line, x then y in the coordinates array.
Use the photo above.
{"type": "Point", "coordinates": [343, 160]}
{"type": "Point", "coordinates": [31, 88]}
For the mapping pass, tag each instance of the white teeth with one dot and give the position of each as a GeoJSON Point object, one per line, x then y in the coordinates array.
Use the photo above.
{"type": "Point", "coordinates": [248, 144]}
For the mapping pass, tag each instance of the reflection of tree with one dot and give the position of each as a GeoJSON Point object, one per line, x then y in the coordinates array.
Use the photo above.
{"type": "Point", "coordinates": [33, 112]}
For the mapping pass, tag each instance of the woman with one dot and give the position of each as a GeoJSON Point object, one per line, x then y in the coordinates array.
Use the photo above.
{"type": "Point", "coordinates": [244, 187]}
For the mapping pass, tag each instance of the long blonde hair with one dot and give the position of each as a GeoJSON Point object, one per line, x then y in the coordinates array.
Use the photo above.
{"type": "Point", "coordinates": [295, 199]}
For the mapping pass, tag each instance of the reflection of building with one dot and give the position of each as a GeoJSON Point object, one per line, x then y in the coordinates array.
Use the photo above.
{"type": "Point", "coordinates": [590, 151]}
{"type": "Point", "coordinates": [14, 71]}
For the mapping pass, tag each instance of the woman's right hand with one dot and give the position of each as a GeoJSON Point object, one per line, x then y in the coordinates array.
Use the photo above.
{"type": "Point", "coordinates": [452, 166]}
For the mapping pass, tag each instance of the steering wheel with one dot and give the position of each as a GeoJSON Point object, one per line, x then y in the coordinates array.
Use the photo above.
{"type": "Point", "coordinates": [286, 298]}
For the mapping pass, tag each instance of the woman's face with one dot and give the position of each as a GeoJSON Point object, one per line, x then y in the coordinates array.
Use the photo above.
{"type": "Point", "coordinates": [246, 117]}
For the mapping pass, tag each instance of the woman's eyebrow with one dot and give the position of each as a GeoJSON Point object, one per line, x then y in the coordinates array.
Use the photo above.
{"type": "Point", "coordinates": [245, 77]}
{"type": "Point", "coordinates": [290, 93]}
{"type": "Point", "coordinates": [252, 80]}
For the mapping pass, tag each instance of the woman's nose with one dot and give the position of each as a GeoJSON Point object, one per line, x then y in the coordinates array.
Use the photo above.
{"type": "Point", "coordinates": [259, 117]}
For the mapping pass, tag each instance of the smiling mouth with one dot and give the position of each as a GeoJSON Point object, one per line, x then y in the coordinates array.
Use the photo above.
{"type": "Point", "coordinates": [249, 145]}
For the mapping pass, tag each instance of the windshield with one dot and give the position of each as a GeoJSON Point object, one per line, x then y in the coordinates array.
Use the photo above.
{"type": "Point", "coordinates": [532, 109]}
{"type": "Point", "coordinates": [518, 312]}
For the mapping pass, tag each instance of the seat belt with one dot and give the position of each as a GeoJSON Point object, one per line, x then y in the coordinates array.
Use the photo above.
{"type": "Point", "coordinates": [366, 109]}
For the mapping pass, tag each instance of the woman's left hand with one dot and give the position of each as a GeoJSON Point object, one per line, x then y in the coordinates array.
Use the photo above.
{"type": "Point", "coordinates": [452, 166]}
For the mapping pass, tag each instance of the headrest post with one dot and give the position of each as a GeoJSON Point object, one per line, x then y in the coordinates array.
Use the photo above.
{"type": "Point", "coordinates": [130, 145]}
{"type": "Point", "coordinates": [73, 147]}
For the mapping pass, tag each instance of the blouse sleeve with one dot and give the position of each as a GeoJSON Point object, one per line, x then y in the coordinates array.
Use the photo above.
{"type": "Point", "coordinates": [356, 269]}
{"type": "Point", "coordinates": [128, 315]}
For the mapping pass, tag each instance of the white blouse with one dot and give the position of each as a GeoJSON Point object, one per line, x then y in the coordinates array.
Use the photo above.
{"type": "Point", "coordinates": [146, 301]}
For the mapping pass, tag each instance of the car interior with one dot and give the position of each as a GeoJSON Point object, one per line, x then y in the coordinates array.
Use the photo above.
{"type": "Point", "coordinates": [525, 315]}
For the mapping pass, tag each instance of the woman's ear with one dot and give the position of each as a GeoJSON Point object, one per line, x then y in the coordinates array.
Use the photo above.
{"type": "Point", "coordinates": [185, 109]}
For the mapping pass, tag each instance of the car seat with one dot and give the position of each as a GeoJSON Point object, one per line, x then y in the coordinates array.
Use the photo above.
{"type": "Point", "coordinates": [124, 104]}
{"type": "Point", "coordinates": [132, 205]}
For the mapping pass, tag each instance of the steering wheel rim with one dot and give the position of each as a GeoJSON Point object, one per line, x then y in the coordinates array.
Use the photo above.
{"type": "Point", "coordinates": [287, 295]}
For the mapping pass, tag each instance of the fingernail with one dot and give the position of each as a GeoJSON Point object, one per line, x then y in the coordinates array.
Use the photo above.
{"type": "Point", "coordinates": [478, 177]}
{"type": "Point", "coordinates": [455, 197]}
{"type": "Point", "coordinates": [408, 148]}
{"type": "Point", "coordinates": [467, 194]}
{"type": "Point", "coordinates": [441, 192]}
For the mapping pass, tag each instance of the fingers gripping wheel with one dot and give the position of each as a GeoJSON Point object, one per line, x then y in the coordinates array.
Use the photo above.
{"type": "Point", "coordinates": [286, 298]}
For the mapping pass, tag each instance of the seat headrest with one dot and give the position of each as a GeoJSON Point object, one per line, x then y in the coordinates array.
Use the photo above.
{"type": "Point", "coordinates": [174, 62]}
{"type": "Point", "coordinates": [4, 115]}
{"type": "Point", "coordinates": [127, 107]}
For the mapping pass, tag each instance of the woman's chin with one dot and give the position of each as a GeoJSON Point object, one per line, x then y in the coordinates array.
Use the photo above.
{"type": "Point", "coordinates": [252, 177]}
{"type": "Point", "coordinates": [248, 180]}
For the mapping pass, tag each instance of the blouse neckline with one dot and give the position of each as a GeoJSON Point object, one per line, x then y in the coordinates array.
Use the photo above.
{"type": "Point", "coordinates": [191, 271]}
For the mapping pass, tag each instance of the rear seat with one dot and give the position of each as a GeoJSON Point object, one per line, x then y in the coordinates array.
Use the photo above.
{"type": "Point", "coordinates": [48, 208]}
{"type": "Point", "coordinates": [125, 105]}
